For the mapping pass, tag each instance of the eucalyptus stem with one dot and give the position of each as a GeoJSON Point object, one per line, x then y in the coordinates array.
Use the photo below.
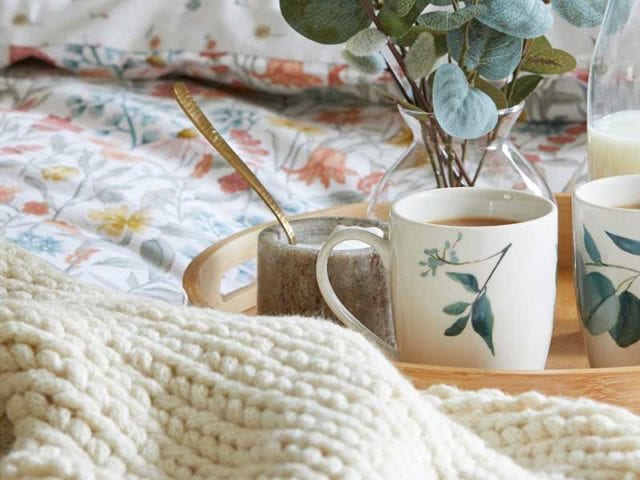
{"type": "Point", "coordinates": [436, 164]}
{"type": "Point", "coordinates": [465, 46]}
{"type": "Point", "coordinates": [449, 156]}
{"type": "Point", "coordinates": [398, 82]}
{"type": "Point", "coordinates": [490, 138]}
{"type": "Point", "coordinates": [510, 87]}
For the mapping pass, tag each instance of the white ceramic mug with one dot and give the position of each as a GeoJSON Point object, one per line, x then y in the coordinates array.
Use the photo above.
{"type": "Point", "coordinates": [607, 269]}
{"type": "Point", "coordinates": [463, 295]}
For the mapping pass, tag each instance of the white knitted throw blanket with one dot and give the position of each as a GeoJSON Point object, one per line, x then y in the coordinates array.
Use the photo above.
{"type": "Point", "coordinates": [95, 384]}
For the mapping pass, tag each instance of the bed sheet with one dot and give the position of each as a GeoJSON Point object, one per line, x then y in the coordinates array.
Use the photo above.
{"type": "Point", "coordinates": [107, 180]}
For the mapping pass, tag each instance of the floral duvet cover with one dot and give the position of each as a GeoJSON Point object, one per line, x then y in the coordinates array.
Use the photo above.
{"type": "Point", "coordinates": [107, 180]}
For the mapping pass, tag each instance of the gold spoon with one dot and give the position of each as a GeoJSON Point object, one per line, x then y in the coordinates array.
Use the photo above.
{"type": "Point", "coordinates": [204, 126]}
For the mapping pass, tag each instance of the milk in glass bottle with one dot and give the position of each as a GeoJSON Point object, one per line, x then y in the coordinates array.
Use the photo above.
{"type": "Point", "coordinates": [614, 93]}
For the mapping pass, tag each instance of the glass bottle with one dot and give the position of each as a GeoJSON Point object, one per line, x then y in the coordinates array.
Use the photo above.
{"type": "Point", "coordinates": [614, 93]}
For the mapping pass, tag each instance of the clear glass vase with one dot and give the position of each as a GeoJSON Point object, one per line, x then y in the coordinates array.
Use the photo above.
{"type": "Point", "coordinates": [614, 93]}
{"type": "Point", "coordinates": [489, 161]}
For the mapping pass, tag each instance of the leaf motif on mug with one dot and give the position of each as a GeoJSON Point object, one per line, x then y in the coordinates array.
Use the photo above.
{"type": "Point", "coordinates": [457, 327]}
{"type": "Point", "coordinates": [626, 331]}
{"type": "Point", "coordinates": [455, 308]}
{"type": "Point", "coordinates": [482, 320]}
{"type": "Point", "coordinates": [600, 305]}
{"type": "Point", "coordinates": [626, 244]}
{"type": "Point", "coordinates": [468, 281]}
{"type": "Point", "coordinates": [480, 312]}
{"type": "Point", "coordinates": [590, 246]}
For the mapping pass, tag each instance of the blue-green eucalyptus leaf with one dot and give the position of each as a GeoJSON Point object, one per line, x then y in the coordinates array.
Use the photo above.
{"type": "Point", "coordinates": [591, 247]}
{"type": "Point", "coordinates": [457, 327]}
{"type": "Point", "coordinates": [421, 56]}
{"type": "Point", "coordinates": [605, 316]}
{"type": "Point", "coordinates": [581, 13]}
{"type": "Point", "coordinates": [325, 21]}
{"type": "Point", "coordinates": [366, 42]}
{"type": "Point", "coordinates": [599, 305]}
{"type": "Point", "coordinates": [482, 320]}
{"type": "Point", "coordinates": [627, 244]}
{"type": "Point", "coordinates": [467, 280]}
{"type": "Point", "coordinates": [370, 64]}
{"type": "Point", "coordinates": [522, 18]}
{"type": "Point", "coordinates": [494, 54]}
{"type": "Point", "coordinates": [455, 308]}
{"type": "Point", "coordinates": [626, 331]}
{"type": "Point", "coordinates": [443, 21]}
{"type": "Point", "coordinates": [461, 110]}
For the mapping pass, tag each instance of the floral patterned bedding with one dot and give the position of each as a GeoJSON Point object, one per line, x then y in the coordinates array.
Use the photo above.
{"type": "Point", "coordinates": [105, 178]}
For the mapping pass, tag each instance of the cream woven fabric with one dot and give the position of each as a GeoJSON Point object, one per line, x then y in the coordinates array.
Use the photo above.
{"type": "Point", "coordinates": [101, 385]}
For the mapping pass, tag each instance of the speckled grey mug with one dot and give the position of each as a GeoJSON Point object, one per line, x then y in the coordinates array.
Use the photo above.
{"type": "Point", "coordinates": [287, 275]}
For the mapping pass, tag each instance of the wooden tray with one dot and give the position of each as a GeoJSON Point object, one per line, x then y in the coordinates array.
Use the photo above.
{"type": "Point", "coordinates": [567, 373]}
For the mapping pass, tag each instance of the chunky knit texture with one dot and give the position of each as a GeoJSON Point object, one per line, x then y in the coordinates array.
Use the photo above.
{"type": "Point", "coordinates": [95, 384]}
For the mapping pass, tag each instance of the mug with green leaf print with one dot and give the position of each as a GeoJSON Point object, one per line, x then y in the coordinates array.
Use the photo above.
{"type": "Point", "coordinates": [606, 235]}
{"type": "Point", "coordinates": [473, 278]}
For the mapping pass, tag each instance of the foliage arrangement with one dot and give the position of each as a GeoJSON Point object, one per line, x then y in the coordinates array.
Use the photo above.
{"type": "Point", "coordinates": [455, 63]}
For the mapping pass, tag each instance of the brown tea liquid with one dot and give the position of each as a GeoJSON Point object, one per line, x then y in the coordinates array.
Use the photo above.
{"type": "Point", "coordinates": [630, 206]}
{"type": "Point", "coordinates": [473, 221]}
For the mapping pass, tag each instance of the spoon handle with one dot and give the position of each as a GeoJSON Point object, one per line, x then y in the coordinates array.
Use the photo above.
{"type": "Point", "coordinates": [208, 131]}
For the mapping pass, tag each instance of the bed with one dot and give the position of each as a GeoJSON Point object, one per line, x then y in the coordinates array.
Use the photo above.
{"type": "Point", "coordinates": [103, 176]}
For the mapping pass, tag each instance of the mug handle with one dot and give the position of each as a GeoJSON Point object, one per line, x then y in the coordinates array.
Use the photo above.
{"type": "Point", "coordinates": [381, 246]}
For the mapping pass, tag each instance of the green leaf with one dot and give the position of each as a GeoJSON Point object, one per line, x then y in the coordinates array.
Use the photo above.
{"type": "Point", "coordinates": [441, 45]}
{"type": "Point", "coordinates": [581, 13]}
{"type": "Point", "coordinates": [366, 42]}
{"type": "Point", "coordinates": [442, 21]}
{"type": "Point", "coordinates": [420, 57]}
{"type": "Point", "coordinates": [462, 111]}
{"type": "Point", "coordinates": [455, 308]}
{"type": "Point", "coordinates": [591, 247]}
{"type": "Point", "coordinates": [523, 88]}
{"type": "Point", "coordinates": [522, 19]}
{"type": "Point", "coordinates": [325, 21]}
{"type": "Point", "coordinates": [408, 38]}
{"type": "Point", "coordinates": [396, 25]}
{"type": "Point", "coordinates": [468, 281]}
{"type": "Point", "coordinates": [598, 303]}
{"type": "Point", "coordinates": [401, 7]}
{"type": "Point", "coordinates": [158, 253]}
{"type": "Point", "coordinates": [482, 320]}
{"type": "Point", "coordinates": [494, 54]}
{"type": "Point", "coordinates": [626, 244]}
{"type": "Point", "coordinates": [626, 331]}
{"type": "Point", "coordinates": [371, 64]}
{"type": "Point", "coordinates": [494, 92]}
{"type": "Point", "coordinates": [457, 327]}
{"type": "Point", "coordinates": [546, 60]}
